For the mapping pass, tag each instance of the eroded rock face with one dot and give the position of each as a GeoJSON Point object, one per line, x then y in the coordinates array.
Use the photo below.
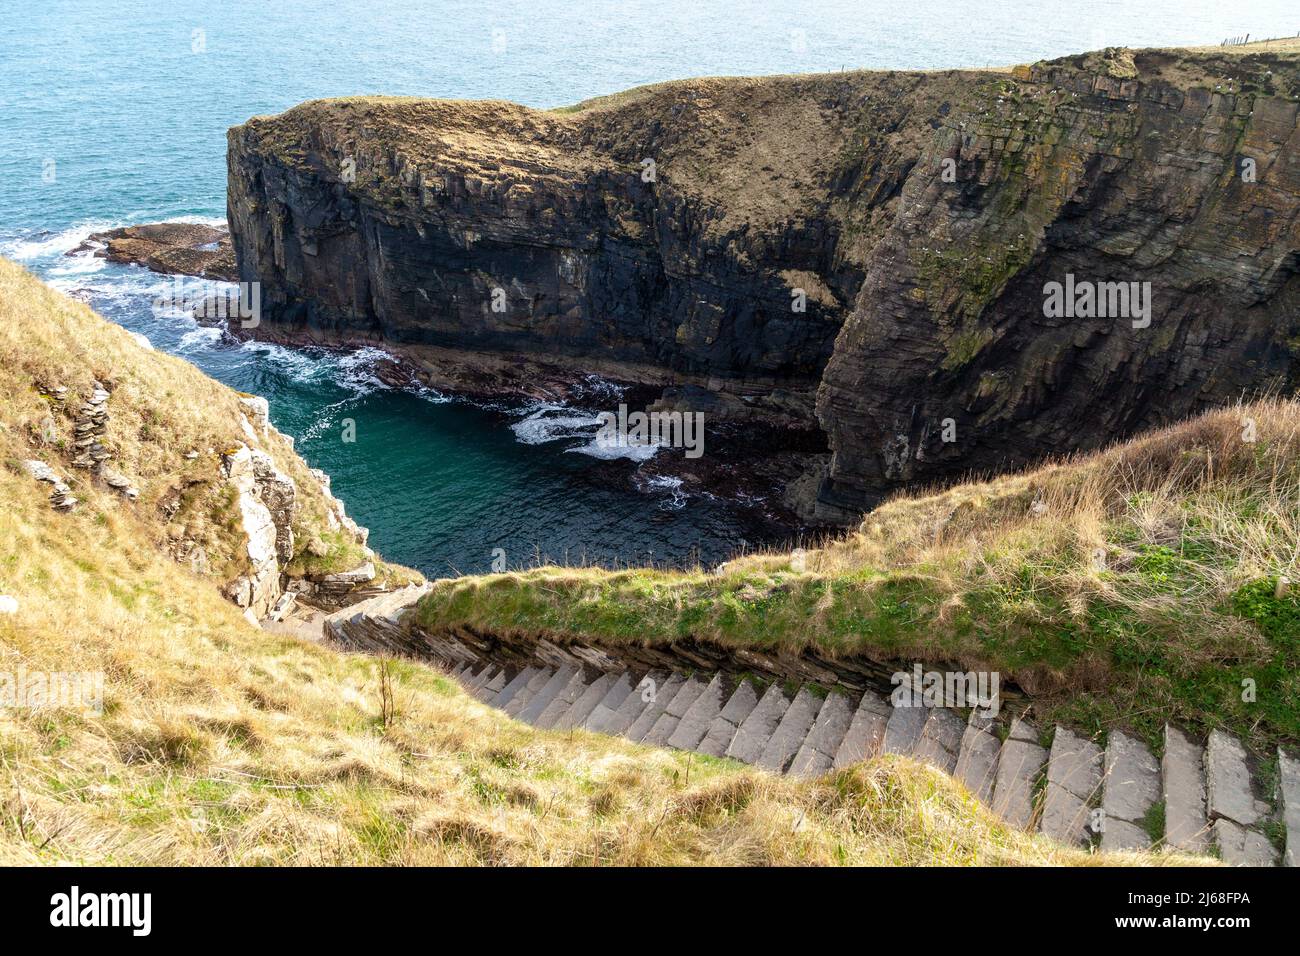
{"type": "Point", "coordinates": [268, 502]}
{"type": "Point", "coordinates": [918, 217]}
{"type": "Point", "coordinates": [1073, 172]}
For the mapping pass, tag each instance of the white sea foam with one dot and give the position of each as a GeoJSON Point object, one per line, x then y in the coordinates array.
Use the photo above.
{"type": "Point", "coordinates": [610, 452]}
{"type": "Point", "coordinates": [57, 244]}
{"type": "Point", "coordinates": [298, 364]}
{"type": "Point", "coordinates": [546, 422]}
{"type": "Point", "coordinates": [669, 485]}
{"type": "Point", "coordinates": [356, 370]}
{"type": "Point", "coordinates": [25, 250]}
{"type": "Point", "coordinates": [214, 221]}
{"type": "Point", "coordinates": [199, 338]}
{"type": "Point", "coordinates": [327, 418]}
{"type": "Point", "coordinates": [82, 264]}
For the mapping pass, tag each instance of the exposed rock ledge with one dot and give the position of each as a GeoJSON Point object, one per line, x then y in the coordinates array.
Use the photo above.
{"type": "Point", "coordinates": [267, 501]}
{"type": "Point", "coordinates": [172, 248]}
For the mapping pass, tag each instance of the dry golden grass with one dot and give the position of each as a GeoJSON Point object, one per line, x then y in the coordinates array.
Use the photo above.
{"type": "Point", "coordinates": [1205, 468]}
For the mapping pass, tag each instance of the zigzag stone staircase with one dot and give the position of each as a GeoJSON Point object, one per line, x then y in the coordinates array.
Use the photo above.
{"type": "Point", "coordinates": [1210, 791]}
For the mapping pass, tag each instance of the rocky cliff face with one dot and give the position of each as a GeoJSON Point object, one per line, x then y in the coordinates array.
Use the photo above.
{"type": "Point", "coordinates": [484, 229]}
{"type": "Point", "coordinates": [862, 253]}
{"type": "Point", "coordinates": [1107, 169]}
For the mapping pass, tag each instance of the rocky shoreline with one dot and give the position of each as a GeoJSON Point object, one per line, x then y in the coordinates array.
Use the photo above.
{"type": "Point", "coordinates": [756, 462]}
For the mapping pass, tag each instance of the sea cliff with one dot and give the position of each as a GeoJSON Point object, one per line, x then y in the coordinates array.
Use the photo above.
{"type": "Point", "coordinates": [862, 255]}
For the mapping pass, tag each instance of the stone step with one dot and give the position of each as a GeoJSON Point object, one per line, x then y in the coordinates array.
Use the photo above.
{"type": "Point", "coordinates": [599, 719]}
{"type": "Point", "coordinates": [817, 752]}
{"type": "Point", "coordinates": [1131, 787]}
{"type": "Point", "coordinates": [562, 701]}
{"type": "Point", "coordinates": [663, 696]}
{"type": "Point", "coordinates": [1242, 846]}
{"type": "Point", "coordinates": [977, 760]}
{"type": "Point", "coordinates": [865, 737]}
{"type": "Point", "coordinates": [447, 653]}
{"type": "Point", "coordinates": [940, 740]}
{"type": "Point", "coordinates": [1288, 786]}
{"type": "Point", "coordinates": [636, 703]}
{"type": "Point", "coordinates": [542, 699]}
{"type": "Point", "coordinates": [903, 731]}
{"type": "Point", "coordinates": [753, 734]}
{"type": "Point", "coordinates": [1233, 807]}
{"type": "Point", "coordinates": [1182, 773]}
{"type": "Point", "coordinates": [394, 604]}
{"type": "Point", "coordinates": [581, 709]}
{"type": "Point", "coordinates": [695, 722]}
{"type": "Point", "coordinates": [1021, 760]}
{"type": "Point", "coordinates": [722, 731]}
{"type": "Point", "coordinates": [513, 687]}
{"type": "Point", "coordinates": [663, 728]}
{"type": "Point", "coordinates": [1207, 792]}
{"type": "Point", "coordinates": [791, 732]}
{"type": "Point", "coordinates": [491, 687]}
{"type": "Point", "coordinates": [486, 673]}
{"type": "Point", "coordinates": [371, 623]}
{"type": "Point", "coordinates": [1074, 769]}
{"type": "Point", "coordinates": [529, 691]}
{"type": "Point", "coordinates": [1228, 789]}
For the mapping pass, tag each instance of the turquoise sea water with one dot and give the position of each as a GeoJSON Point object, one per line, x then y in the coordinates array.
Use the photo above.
{"type": "Point", "coordinates": [126, 105]}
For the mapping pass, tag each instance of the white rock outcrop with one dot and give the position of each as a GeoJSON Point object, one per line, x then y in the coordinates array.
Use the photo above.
{"type": "Point", "coordinates": [267, 500]}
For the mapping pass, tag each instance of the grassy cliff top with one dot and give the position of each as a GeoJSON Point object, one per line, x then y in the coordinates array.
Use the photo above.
{"type": "Point", "coordinates": [220, 743]}
{"type": "Point", "coordinates": [761, 151]}
{"type": "Point", "coordinates": [1123, 588]}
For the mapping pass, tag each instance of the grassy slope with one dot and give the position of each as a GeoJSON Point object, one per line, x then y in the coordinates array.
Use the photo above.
{"type": "Point", "coordinates": [160, 408]}
{"type": "Point", "coordinates": [221, 743]}
{"type": "Point", "coordinates": [1138, 589]}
